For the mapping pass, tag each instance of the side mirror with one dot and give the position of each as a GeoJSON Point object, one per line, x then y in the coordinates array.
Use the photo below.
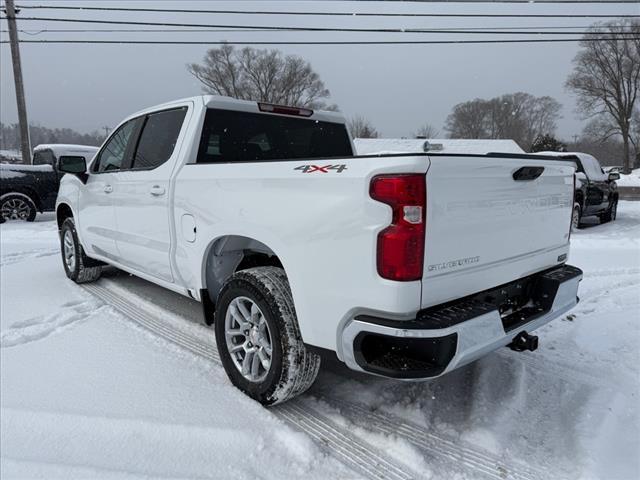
{"type": "Point", "coordinates": [73, 165]}
{"type": "Point", "coordinates": [614, 176]}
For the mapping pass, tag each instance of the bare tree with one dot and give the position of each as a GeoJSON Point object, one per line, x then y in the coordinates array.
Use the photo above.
{"type": "Point", "coordinates": [635, 135]}
{"type": "Point", "coordinates": [518, 116]}
{"type": "Point", "coordinates": [261, 75]}
{"type": "Point", "coordinates": [426, 131]}
{"type": "Point", "coordinates": [608, 152]}
{"type": "Point", "coordinates": [360, 127]}
{"type": "Point", "coordinates": [467, 120]}
{"type": "Point", "coordinates": [606, 78]}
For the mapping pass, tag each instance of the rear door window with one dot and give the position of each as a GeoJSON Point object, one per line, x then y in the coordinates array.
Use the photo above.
{"type": "Point", "coordinates": [230, 136]}
{"type": "Point", "coordinates": [158, 138]}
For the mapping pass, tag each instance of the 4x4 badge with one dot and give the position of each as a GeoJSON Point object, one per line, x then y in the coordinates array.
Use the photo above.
{"type": "Point", "coordinates": [324, 169]}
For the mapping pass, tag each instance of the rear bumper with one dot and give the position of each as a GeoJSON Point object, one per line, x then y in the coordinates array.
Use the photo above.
{"type": "Point", "coordinates": [445, 337]}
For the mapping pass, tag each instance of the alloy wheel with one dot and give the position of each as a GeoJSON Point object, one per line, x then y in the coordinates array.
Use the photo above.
{"type": "Point", "coordinates": [15, 209]}
{"type": "Point", "coordinates": [248, 339]}
{"type": "Point", "coordinates": [69, 250]}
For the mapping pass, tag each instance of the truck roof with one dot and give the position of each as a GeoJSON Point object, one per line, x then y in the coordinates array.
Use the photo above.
{"type": "Point", "coordinates": [64, 148]}
{"type": "Point", "coordinates": [229, 103]}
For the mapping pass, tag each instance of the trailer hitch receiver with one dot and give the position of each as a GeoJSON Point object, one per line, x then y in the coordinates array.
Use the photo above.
{"type": "Point", "coordinates": [523, 341]}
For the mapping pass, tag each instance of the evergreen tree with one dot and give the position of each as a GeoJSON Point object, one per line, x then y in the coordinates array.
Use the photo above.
{"type": "Point", "coordinates": [547, 143]}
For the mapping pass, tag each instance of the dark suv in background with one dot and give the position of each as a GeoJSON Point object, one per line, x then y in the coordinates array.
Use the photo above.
{"type": "Point", "coordinates": [596, 191]}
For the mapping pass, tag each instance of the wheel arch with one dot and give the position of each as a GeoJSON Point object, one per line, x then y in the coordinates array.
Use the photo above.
{"type": "Point", "coordinates": [228, 254]}
{"type": "Point", "coordinates": [63, 211]}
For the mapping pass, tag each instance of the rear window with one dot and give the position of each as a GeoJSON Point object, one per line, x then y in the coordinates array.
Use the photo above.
{"type": "Point", "coordinates": [44, 157]}
{"type": "Point", "coordinates": [229, 136]}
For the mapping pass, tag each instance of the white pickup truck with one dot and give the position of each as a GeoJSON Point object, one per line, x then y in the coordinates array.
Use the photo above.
{"type": "Point", "coordinates": [405, 266]}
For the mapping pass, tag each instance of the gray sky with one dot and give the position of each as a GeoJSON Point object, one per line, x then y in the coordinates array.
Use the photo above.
{"type": "Point", "coordinates": [397, 87]}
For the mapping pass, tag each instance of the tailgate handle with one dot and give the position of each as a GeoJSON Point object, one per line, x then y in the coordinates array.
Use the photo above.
{"type": "Point", "coordinates": [527, 173]}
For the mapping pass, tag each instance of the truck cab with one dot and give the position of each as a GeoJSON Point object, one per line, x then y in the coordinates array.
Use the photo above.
{"type": "Point", "coordinates": [596, 191]}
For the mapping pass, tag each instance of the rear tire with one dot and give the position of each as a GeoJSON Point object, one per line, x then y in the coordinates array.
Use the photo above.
{"type": "Point", "coordinates": [17, 206]}
{"type": "Point", "coordinates": [259, 339]}
{"type": "Point", "coordinates": [77, 266]}
{"type": "Point", "coordinates": [576, 216]}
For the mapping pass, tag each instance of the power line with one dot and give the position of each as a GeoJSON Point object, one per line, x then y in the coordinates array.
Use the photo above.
{"type": "Point", "coordinates": [312, 29]}
{"type": "Point", "coordinates": [319, 13]}
{"type": "Point", "coordinates": [243, 30]}
{"type": "Point", "coordinates": [355, 42]}
{"type": "Point", "coordinates": [134, 30]}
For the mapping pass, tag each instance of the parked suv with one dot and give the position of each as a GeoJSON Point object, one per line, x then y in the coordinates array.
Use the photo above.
{"type": "Point", "coordinates": [28, 189]}
{"type": "Point", "coordinates": [406, 266]}
{"type": "Point", "coordinates": [596, 191]}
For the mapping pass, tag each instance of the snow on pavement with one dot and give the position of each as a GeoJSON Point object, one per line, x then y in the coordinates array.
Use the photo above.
{"type": "Point", "coordinates": [85, 393]}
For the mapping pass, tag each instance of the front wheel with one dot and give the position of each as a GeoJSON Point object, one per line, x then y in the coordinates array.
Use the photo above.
{"type": "Point", "coordinates": [77, 266]}
{"type": "Point", "coordinates": [611, 213]}
{"type": "Point", "coordinates": [17, 206]}
{"type": "Point", "coordinates": [258, 337]}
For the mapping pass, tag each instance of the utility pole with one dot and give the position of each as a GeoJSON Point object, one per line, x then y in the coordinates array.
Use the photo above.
{"type": "Point", "coordinates": [25, 141]}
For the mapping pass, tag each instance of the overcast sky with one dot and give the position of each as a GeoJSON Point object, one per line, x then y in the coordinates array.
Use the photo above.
{"type": "Point", "coordinates": [397, 87]}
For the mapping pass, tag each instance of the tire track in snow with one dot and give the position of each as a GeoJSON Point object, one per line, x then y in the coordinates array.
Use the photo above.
{"type": "Point", "coordinates": [42, 326]}
{"type": "Point", "coordinates": [611, 273]}
{"type": "Point", "coordinates": [331, 437]}
{"type": "Point", "coordinates": [559, 368]}
{"type": "Point", "coordinates": [469, 458]}
{"type": "Point", "coordinates": [339, 442]}
{"type": "Point", "coordinates": [11, 258]}
{"type": "Point", "coordinates": [151, 324]}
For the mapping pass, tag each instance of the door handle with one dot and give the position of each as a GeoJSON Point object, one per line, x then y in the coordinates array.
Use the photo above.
{"type": "Point", "coordinates": [108, 189]}
{"type": "Point", "coordinates": [156, 190]}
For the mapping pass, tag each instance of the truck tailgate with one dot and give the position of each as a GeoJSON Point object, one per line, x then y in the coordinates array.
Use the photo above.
{"type": "Point", "coordinates": [484, 228]}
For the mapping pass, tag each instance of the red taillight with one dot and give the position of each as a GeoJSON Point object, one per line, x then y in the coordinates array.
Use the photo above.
{"type": "Point", "coordinates": [284, 110]}
{"type": "Point", "coordinates": [401, 245]}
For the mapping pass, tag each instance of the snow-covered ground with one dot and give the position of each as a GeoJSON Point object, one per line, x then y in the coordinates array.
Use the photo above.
{"type": "Point", "coordinates": [119, 380]}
